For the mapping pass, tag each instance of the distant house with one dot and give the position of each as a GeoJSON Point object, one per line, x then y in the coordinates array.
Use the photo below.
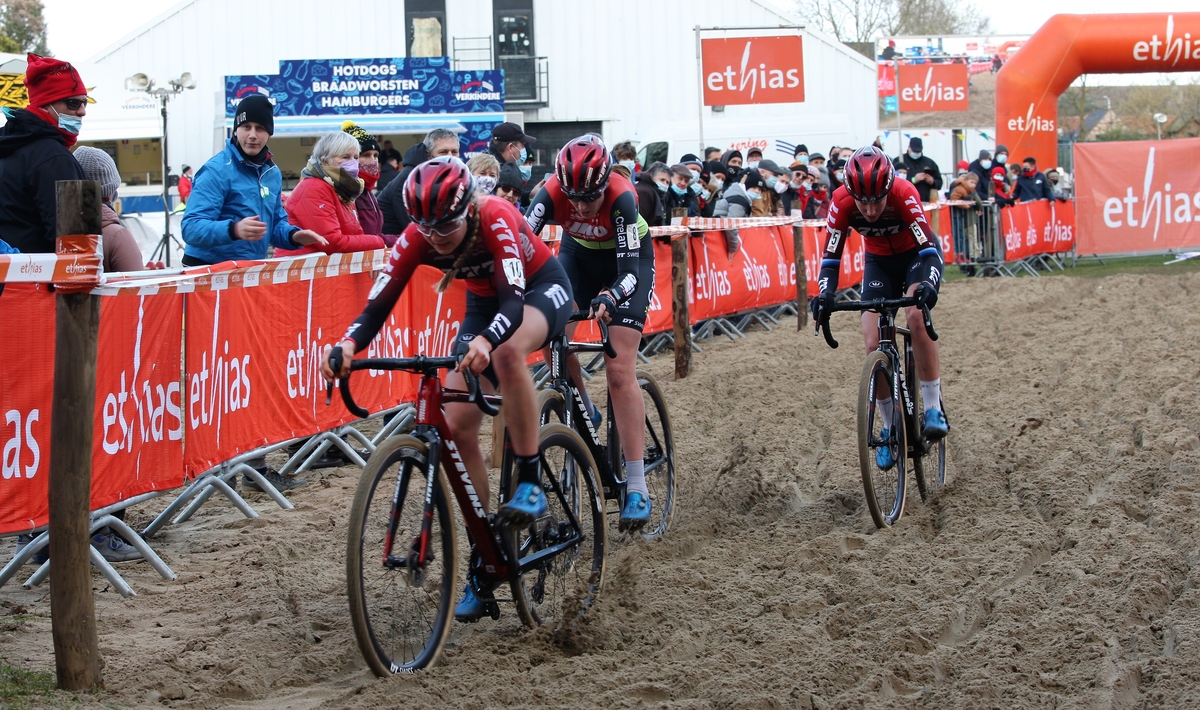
{"type": "Point", "coordinates": [1182, 127]}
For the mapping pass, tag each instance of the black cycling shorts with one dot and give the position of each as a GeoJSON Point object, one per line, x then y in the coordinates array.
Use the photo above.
{"type": "Point", "coordinates": [891, 276]}
{"type": "Point", "coordinates": [548, 290]}
{"type": "Point", "coordinates": [594, 270]}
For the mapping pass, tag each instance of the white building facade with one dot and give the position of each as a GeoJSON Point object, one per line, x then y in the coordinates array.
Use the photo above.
{"type": "Point", "coordinates": [623, 68]}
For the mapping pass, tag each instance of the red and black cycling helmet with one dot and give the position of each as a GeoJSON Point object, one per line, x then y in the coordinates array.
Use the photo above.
{"type": "Point", "coordinates": [438, 190]}
{"type": "Point", "coordinates": [582, 168]}
{"type": "Point", "coordinates": [869, 175]}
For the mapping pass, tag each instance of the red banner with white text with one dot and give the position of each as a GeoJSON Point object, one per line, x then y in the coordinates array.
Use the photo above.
{"type": "Point", "coordinates": [1038, 227]}
{"type": "Point", "coordinates": [1151, 203]}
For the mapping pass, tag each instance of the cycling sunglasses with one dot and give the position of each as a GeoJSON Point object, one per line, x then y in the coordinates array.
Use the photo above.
{"type": "Point", "coordinates": [444, 229]}
{"type": "Point", "coordinates": [583, 198]}
{"type": "Point", "coordinates": [75, 104]}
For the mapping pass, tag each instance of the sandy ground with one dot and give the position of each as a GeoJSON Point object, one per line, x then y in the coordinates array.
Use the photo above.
{"type": "Point", "coordinates": [1057, 570]}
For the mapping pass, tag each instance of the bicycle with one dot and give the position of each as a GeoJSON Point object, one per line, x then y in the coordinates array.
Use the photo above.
{"type": "Point", "coordinates": [401, 585]}
{"type": "Point", "coordinates": [885, 492]}
{"type": "Point", "coordinates": [561, 400]}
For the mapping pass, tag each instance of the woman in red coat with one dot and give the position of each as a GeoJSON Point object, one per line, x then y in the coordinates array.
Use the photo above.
{"type": "Point", "coordinates": [324, 199]}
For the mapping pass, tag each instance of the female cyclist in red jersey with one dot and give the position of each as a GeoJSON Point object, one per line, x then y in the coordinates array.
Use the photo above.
{"type": "Point", "coordinates": [901, 259]}
{"type": "Point", "coordinates": [612, 270]}
{"type": "Point", "coordinates": [518, 299]}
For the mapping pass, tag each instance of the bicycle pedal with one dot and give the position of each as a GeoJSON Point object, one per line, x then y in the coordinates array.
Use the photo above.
{"type": "Point", "coordinates": [493, 610]}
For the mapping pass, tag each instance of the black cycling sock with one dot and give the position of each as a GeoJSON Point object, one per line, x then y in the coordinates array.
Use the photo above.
{"type": "Point", "coordinates": [529, 469]}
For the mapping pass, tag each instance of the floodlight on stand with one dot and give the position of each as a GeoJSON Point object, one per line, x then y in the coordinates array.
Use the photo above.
{"type": "Point", "coordinates": [1160, 117]}
{"type": "Point", "coordinates": [187, 81]}
{"type": "Point", "coordinates": [138, 82]}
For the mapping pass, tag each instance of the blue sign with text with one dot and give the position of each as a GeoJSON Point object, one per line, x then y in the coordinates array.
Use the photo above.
{"type": "Point", "coordinates": [331, 87]}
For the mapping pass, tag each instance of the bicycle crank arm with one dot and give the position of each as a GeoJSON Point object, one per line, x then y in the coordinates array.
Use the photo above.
{"type": "Point", "coordinates": [537, 558]}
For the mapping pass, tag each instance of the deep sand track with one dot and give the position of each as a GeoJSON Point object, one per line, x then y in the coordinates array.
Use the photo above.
{"type": "Point", "coordinates": [1056, 571]}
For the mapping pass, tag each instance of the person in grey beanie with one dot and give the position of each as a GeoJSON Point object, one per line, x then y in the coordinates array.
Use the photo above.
{"type": "Point", "coordinates": [121, 252]}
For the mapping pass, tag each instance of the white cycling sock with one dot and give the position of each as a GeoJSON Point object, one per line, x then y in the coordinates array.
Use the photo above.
{"type": "Point", "coordinates": [635, 477]}
{"type": "Point", "coordinates": [931, 394]}
{"type": "Point", "coordinates": [884, 408]}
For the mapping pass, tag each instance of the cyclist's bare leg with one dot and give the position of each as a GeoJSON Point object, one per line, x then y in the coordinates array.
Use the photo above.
{"type": "Point", "coordinates": [574, 369]}
{"type": "Point", "coordinates": [520, 402]}
{"type": "Point", "coordinates": [629, 410]}
{"type": "Point", "coordinates": [520, 396]}
{"type": "Point", "coordinates": [464, 421]}
{"type": "Point", "coordinates": [870, 328]}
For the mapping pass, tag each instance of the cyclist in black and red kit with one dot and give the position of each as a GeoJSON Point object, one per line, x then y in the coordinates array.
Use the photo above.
{"type": "Point", "coordinates": [902, 258]}
{"type": "Point", "coordinates": [612, 270]}
{"type": "Point", "coordinates": [518, 299]}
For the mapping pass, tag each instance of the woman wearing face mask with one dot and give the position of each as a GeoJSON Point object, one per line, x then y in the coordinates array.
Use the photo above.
{"type": "Point", "coordinates": [33, 146]}
{"type": "Point", "coordinates": [370, 216]}
{"type": "Point", "coordinates": [486, 170]}
{"type": "Point", "coordinates": [324, 201]}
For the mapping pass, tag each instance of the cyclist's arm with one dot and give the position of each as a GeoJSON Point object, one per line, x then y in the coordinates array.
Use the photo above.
{"type": "Point", "coordinates": [629, 244]}
{"type": "Point", "coordinates": [405, 257]}
{"type": "Point", "coordinates": [540, 211]}
{"type": "Point", "coordinates": [929, 252]}
{"type": "Point", "coordinates": [837, 225]}
{"type": "Point", "coordinates": [508, 279]}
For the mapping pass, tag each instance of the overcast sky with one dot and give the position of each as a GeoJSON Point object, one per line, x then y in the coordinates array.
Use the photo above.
{"type": "Point", "coordinates": [81, 28]}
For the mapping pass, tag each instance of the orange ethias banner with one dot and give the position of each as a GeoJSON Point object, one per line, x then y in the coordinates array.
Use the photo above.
{"type": "Point", "coordinates": [753, 70]}
{"type": "Point", "coordinates": [887, 79]}
{"type": "Point", "coordinates": [933, 87]}
{"type": "Point", "coordinates": [1151, 203]}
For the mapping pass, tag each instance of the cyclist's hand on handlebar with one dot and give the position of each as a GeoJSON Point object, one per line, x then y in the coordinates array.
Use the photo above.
{"type": "Point", "coordinates": [347, 347]}
{"type": "Point", "coordinates": [821, 306]}
{"type": "Point", "coordinates": [477, 357]}
{"type": "Point", "coordinates": [926, 295]}
{"type": "Point", "coordinates": [603, 306]}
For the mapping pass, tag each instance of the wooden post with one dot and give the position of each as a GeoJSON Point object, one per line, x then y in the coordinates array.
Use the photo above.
{"type": "Point", "coordinates": [679, 305]}
{"type": "Point", "coordinates": [801, 277]}
{"type": "Point", "coordinates": [77, 328]}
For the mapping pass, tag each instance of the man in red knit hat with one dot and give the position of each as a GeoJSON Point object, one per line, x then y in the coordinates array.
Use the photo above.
{"type": "Point", "coordinates": [34, 152]}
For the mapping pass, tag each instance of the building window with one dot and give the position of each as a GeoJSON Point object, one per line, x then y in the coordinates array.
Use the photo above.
{"type": "Point", "coordinates": [425, 28]}
{"type": "Point", "coordinates": [514, 28]}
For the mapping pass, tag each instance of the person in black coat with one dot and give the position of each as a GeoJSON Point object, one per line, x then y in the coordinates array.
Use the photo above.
{"type": "Point", "coordinates": [391, 198]}
{"type": "Point", "coordinates": [1032, 185]}
{"type": "Point", "coordinates": [923, 173]}
{"type": "Point", "coordinates": [388, 171]}
{"type": "Point", "coordinates": [982, 167]}
{"type": "Point", "coordinates": [651, 186]}
{"type": "Point", "coordinates": [34, 155]}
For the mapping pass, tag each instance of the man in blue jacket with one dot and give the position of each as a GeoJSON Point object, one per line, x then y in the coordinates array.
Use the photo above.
{"type": "Point", "coordinates": [1031, 184]}
{"type": "Point", "coordinates": [235, 208]}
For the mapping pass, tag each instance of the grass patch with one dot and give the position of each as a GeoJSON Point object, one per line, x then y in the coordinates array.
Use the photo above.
{"type": "Point", "coordinates": [18, 685]}
{"type": "Point", "coordinates": [1092, 268]}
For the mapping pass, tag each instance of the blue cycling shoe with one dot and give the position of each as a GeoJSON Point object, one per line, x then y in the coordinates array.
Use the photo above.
{"type": "Point", "coordinates": [636, 512]}
{"type": "Point", "coordinates": [527, 505]}
{"type": "Point", "coordinates": [597, 417]}
{"type": "Point", "coordinates": [470, 607]}
{"type": "Point", "coordinates": [936, 425]}
{"type": "Point", "coordinates": [883, 454]}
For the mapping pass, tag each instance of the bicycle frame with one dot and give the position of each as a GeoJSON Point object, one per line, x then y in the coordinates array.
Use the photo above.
{"type": "Point", "coordinates": [431, 427]}
{"type": "Point", "coordinates": [573, 405]}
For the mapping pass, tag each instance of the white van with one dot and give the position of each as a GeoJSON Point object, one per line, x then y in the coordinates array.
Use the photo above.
{"type": "Point", "coordinates": [668, 142]}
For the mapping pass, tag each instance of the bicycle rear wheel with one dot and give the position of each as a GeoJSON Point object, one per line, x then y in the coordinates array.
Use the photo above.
{"type": "Point", "coordinates": [401, 619]}
{"type": "Point", "coordinates": [563, 551]}
{"type": "Point", "coordinates": [928, 465]}
{"type": "Point", "coordinates": [884, 487]}
{"type": "Point", "coordinates": [659, 458]}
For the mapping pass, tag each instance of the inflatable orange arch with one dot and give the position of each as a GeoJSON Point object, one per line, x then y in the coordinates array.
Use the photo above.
{"type": "Point", "coordinates": [1067, 46]}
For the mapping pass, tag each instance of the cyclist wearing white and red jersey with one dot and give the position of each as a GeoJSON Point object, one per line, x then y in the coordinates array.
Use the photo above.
{"type": "Point", "coordinates": [612, 270]}
{"type": "Point", "coordinates": [902, 257]}
{"type": "Point", "coordinates": [518, 299]}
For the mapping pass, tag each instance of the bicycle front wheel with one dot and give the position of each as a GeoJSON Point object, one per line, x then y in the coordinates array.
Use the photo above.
{"type": "Point", "coordinates": [882, 450]}
{"type": "Point", "coordinates": [561, 553]}
{"type": "Point", "coordinates": [400, 610]}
